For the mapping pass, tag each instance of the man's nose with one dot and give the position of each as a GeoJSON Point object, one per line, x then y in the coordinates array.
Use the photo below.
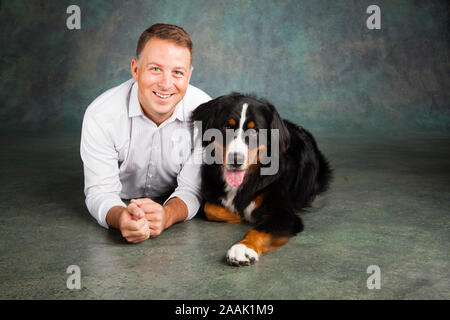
{"type": "Point", "coordinates": [165, 82]}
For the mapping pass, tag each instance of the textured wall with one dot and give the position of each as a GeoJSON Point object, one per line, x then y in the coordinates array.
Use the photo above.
{"type": "Point", "coordinates": [315, 60]}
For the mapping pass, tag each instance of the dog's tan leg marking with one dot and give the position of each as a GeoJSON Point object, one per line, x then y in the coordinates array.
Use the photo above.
{"type": "Point", "coordinates": [261, 242]}
{"type": "Point", "coordinates": [218, 213]}
{"type": "Point", "coordinates": [252, 246]}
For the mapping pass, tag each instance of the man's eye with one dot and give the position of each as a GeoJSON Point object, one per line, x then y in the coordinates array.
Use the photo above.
{"type": "Point", "coordinates": [178, 73]}
{"type": "Point", "coordinates": [155, 69]}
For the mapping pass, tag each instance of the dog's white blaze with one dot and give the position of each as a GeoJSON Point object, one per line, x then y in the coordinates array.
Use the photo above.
{"type": "Point", "coordinates": [243, 117]}
{"type": "Point", "coordinates": [238, 145]}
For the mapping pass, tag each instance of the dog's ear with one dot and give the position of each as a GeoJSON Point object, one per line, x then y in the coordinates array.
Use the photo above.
{"type": "Point", "coordinates": [207, 112]}
{"type": "Point", "coordinates": [278, 123]}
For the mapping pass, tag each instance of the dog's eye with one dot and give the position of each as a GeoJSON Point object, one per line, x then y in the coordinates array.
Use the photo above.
{"type": "Point", "coordinates": [230, 124]}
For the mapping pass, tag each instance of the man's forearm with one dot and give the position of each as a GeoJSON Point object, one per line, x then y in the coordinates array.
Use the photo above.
{"type": "Point", "coordinates": [176, 211]}
{"type": "Point", "coordinates": [113, 215]}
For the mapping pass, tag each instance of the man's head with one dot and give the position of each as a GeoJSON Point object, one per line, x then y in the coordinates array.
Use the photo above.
{"type": "Point", "coordinates": [162, 68]}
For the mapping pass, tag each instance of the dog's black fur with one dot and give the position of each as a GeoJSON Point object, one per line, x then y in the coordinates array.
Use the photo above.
{"type": "Point", "coordinates": [303, 173]}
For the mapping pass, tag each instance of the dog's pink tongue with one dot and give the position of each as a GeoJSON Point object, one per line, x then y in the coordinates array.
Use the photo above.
{"type": "Point", "coordinates": [234, 177]}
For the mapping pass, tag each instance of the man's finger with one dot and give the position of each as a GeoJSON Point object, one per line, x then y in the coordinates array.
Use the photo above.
{"type": "Point", "coordinates": [142, 201]}
{"type": "Point", "coordinates": [140, 238]}
{"type": "Point", "coordinates": [131, 226]}
{"type": "Point", "coordinates": [131, 235]}
{"type": "Point", "coordinates": [142, 224]}
{"type": "Point", "coordinates": [154, 232]}
{"type": "Point", "coordinates": [135, 211]}
{"type": "Point", "coordinates": [136, 239]}
{"type": "Point", "coordinates": [153, 217]}
{"type": "Point", "coordinates": [151, 207]}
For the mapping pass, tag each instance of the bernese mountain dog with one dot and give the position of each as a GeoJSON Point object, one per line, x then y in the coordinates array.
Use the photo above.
{"type": "Point", "coordinates": [266, 182]}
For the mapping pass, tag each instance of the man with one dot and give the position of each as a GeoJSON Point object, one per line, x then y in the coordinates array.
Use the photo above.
{"type": "Point", "coordinates": [128, 141]}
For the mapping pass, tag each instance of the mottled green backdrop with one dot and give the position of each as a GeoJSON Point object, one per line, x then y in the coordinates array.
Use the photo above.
{"type": "Point", "coordinates": [315, 60]}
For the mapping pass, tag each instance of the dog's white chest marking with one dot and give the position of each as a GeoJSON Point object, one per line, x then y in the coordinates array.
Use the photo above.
{"type": "Point", "coordinates": [227, 201]}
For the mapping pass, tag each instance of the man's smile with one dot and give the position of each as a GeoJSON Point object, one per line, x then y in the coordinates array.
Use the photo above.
{"type": "Point", "coordinates": [163, 96]}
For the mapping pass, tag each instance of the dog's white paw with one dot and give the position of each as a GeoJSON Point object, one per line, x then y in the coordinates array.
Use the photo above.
{"type": "Point", "coordinates": [241, 255]}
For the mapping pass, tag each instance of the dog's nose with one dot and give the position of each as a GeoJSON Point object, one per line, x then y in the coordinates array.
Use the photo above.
{"type": "Point", "coordinates": [236, 159]}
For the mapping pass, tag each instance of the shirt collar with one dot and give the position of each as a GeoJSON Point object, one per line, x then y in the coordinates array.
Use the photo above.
{"type": "Point", "coordinates": [136, 110]}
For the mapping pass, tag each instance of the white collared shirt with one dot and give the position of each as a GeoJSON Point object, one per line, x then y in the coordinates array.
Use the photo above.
{"type": "Point", "coordinates": [126, 155]}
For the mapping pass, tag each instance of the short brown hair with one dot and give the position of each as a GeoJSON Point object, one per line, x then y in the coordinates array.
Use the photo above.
{"type": "Point", "coordinates": [167, 32]}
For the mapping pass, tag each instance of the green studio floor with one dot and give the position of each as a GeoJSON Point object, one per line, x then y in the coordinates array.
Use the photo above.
{"type": "Point", "coordinates": [388, 206]}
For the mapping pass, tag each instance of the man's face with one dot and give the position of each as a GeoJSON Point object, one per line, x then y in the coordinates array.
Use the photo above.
{"type": "Point", "coordinates": [163, 76]}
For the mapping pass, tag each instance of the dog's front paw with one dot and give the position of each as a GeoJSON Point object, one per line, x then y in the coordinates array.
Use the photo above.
{"type": "Point", "coordinates": [241, 255]}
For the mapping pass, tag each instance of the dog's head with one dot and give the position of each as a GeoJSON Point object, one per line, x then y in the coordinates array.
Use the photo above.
{"type": "Point", "coordinates": [241, 130]}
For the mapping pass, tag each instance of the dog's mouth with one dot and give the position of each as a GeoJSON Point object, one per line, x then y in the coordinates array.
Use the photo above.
{"type": "Point", "coordinates": [234, 177]}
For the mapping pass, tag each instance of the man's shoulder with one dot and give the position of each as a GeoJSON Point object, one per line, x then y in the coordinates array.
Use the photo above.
{"type": "Point", "coordinates": [195, 92]}
{"type": "Point", "coordinates": [195, 97]}
{"type": "Point", "coordinates": [111, 103]}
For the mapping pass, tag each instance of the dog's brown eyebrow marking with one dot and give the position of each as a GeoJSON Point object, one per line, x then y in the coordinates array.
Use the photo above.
{"type": "Point", "coordinates": [232, 122]}
{"type": "Point", "coordinates": [250, 125]}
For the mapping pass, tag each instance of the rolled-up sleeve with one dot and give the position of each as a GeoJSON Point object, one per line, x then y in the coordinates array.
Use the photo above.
{"type": "Point", "coordinates": [102, 185]}
{"type": "Point", "coordinates": [189, 183]}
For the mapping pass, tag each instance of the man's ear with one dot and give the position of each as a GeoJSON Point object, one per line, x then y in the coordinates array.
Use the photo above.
{"type": "Point", "coordinates": [134, 69]}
